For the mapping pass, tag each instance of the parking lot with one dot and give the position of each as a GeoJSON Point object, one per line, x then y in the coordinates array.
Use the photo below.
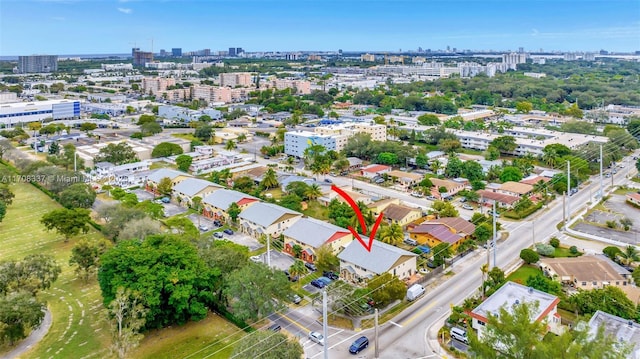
{"type": "Point", "coordinates": [143, 195]}
{"type": "Point", "coordinates": [279, 260]}
{"type": "Point", "coordinates": [616, 209]}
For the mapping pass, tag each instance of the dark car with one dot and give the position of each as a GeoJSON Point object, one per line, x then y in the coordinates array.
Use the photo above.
{"type": "Point", "coordinates": [293, 279]}
{"type": "Point", "coordinates": [228, 231]}
{"type": "Point", "coordinates": [217, 223]}
{"type": "Point", "coordinates": [325, 280]}
{"type": "Point", "coordinates": [328, 180]}
{"type": "Point", "coordinates": [359, 345]}
{"type": "Point", "coordinates": [330, 275]}
{"type": "Point", "coordinates": [311, 267]}
{"type": "Point", "coordinates": [275, 328]}
{"type": "Point", "coordinates": [317, 283]}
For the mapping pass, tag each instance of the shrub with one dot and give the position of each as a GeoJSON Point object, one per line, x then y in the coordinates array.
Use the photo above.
{"type": "Point", "coordinates": [529, 256]}
{"type": "Point", "coordinates": [612, 224]}
{"type": "Point", "coordinates": [573, 250]}
{"type": "Point", "coordinates": [611, 252]}
{"type": "Point", "coordinates": [555, 242]}
{"type": "Point", "coordinates": [545, 249]}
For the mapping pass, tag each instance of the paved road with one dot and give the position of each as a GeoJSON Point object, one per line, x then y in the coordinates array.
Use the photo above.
{"type": "Point", "coordinates": [32, 339]}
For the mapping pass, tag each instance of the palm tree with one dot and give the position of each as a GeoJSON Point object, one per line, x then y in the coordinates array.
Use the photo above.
{"type": "Point", "coordinates": [630, 255]}
{"type": "Point", "coordinates": [435, 166]}
{"type": "Point", "coordinates": [270, 179]}
{"type": "Point", "coordinates": [230, 145]}
{"type": "Point", "coordinates": [484, 269]}
{"type": "Point", "coordinates": [550, 157]}
{"type": "Point", "coordinates": [297, 269]}
{"type": "Point", "coordinates": [313, 192]}
{"type": "Point", "coordinates": [341, 164]}
{"type": "Point", "coordinates": [541, 188]}
{"type": "Point", "coordinates": [297, 250]}
{"type": "Point", "coordinates": [392, 234]}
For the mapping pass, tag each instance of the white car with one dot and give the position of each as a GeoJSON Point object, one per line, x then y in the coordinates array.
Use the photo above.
{"type": "Point", "coordinates": [467, 206]}
{"type": "Point", "coordinates": [255, 259]}
{"type": "Point", "coordinates": [316, 337]}
{"type": "Point", "coordinates": [203, 228]}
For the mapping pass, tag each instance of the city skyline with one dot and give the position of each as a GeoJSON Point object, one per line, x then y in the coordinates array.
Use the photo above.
{"type": "Point", "coordinates": [115, 26]}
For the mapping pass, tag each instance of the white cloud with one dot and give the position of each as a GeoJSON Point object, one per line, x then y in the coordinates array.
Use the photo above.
{"type": "Point", "coordinates": [125, 10]}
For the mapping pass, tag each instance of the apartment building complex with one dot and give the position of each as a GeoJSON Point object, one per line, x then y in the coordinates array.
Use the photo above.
{"type": "Point", "coordinates": [301, 87]}
{"type": "Point", "coordinates": [233, 79]}
{"type": "Point", "coordinates": [333, 137]}
{"type": "Point", "coordinates": [37, 63]}
{"type": "Point", "coordinates": [377, 132]}
{"type": "Point", "coordinates": [157, 85]}
{"type": "Point", "coordinates": [213, 94]}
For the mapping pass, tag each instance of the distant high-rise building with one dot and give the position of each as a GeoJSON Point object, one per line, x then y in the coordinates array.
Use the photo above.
{"type": "Point", "coordinates": [239, 50]}
{"type": "Point", "coordinates": [176, 52]}
{"type": "Point", "coordinates": [589, 56]}
{"type": "Point", "coordinates": [604, 52]}
{"type": "Point", "coordinates": [163, 53]}
{"type": "Point", "coordinates": [570, 56]}
{"type": "Point", "coordinates": [233, 79]}
{"type": "Point", "coordinates": [37, 63]}
{"type": "Point", "coordinates": [140, 58]}
{"type": "Point", "coordinates": [232, 51]}
{"type": "Point", "coordinates": [520, 50]}
{"type": "Point", "coordinates": [339, 52]}
{"type": "Point", "coordinates": [419, 49]}
{"type": "Point", "coordinates": [514, 58]}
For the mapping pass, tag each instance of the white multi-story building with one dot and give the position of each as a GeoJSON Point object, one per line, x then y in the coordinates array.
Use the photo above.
{"type": "Point", "coordinates": [349, 129]}
{"type": "Point", "coordinates": [296, 142]}
{"type": "Point", "coordinates": [24, 112]}
{"type": "Point", "coordinates": [514, 58]}
{"type": "Point", "coordinates": [117, 67]}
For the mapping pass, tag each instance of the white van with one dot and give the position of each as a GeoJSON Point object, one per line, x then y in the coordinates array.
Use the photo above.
{"type": "Point", "coordinates": [459, 334]}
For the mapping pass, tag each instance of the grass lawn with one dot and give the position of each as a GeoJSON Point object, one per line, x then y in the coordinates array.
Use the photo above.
{"type": "Point", "coordinates": [186, 136]}
{"type": "Point", "coordinates": [276, 193]}
{"type": "Point", "coordinates": [561, 252]}
{"type": "Point", "coordinates": [212, 337]}
{"type": "Point", "coordinates": [162, 164]}
{"type": "Point", "coordinates": [77, 330]}
{"type": "Point", "coordinates": [317, 211]}
{"type": "Point", "coordinates": [520, 276]}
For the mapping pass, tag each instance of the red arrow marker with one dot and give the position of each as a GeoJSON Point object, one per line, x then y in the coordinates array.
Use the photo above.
{"type": "Point", "coordinates": [363, 225]}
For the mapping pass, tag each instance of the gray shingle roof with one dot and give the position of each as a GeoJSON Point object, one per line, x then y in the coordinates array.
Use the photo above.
{"type": "Point", "coordinates": [165, 172]}
{"type": "Point", "coordinates": [313, 232]}
{"type": "Point", "coordinates": [264, 214]}
{"type": "Point", "coordinates": [222, 198]}
{"type": "Point", "coordinates": [379, 260]}
{"type": "Point", "coordinates": [191, 186]}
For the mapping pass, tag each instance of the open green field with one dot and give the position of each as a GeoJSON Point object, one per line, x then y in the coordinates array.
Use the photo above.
{"type": "Point", "coordinates": [78, 330]}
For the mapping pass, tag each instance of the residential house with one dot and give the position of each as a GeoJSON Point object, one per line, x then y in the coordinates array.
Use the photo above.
{"type": "Point", "coordinates": [217, 203]}
{"type": "Point", "coordinates": [633, 198]}
{"type": "Point", "coordinates": [487, 198]}
{"type": "Point", "coordinates": [434, 155]}
{"type": "Point", "coordinates": [405, 180]}
{"type": "Point", "coordinates": [584, 272]}
{"type": "Point", "coordinates": [255, 172]}
{"type": "Point", "coordinates": [185, 191]}
{"type": "Point", "coordinates": [268, 219]}
{"type": "Point", "coordinates": [400, 214]}
{"type": "Point", "coordinates": [378, 206]}
{"type": "Point", "coordinates": [328, 195]}
{"type": "Point", "coordinates": [624, 331]}
{"type": "Point", "coordinates": [533, 179]}
{"type": "Point", "coordinates": [311, 234]}
{"type": "Point", "coordinates": [358, 264]}
{"type": "Point", "coordinates": [354, 163]}
{"type": "Point", "coordinates": [544, 306]}
{"type": "Point", "coordinates": [452, 230]}
{"type": "Point", "coordinates": [153, 180]}
{"type": "Point", "coordinates": [374, 170]}
{"type": "Point", "coordinates": [452, 187]}
{"type": "Point", "coordinates": [516, 189]}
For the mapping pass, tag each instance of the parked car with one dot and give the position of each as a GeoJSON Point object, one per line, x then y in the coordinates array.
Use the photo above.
{"type": "Point", "coordinates": [325, 280]}
{"type": "Point", "coordinates": [424, 249]}
{"type": "Point", "coordinates": [275, 328]}
{"type": "Point", "coordinates": [380, 180]}
{"type": "Point", "coordinates": [459, 334]}
{"type": "Point", "coordinates": [316, 337]}
{"type": "Point", "coordinates": [328, 180]}
{"type": "Point", "coordinates": [359, 345]}
{"type": "Point", "coordinates": [463, 199]}
{"type": "Point", "coordinates": [317, 283]}
{"type": "Point", "coordinates": [203, 228]}
{"type": "Point", "coordinates": [292, 279]}
{"type": "Point", "coordinates": [218, 235]}
{"type": "Point", "coordinates": [431, 198]}
{"type": "Point", "coordinates": [467, 206]}
{"type": "Point", "coordinates": [217, 223]}
{"type": "Point", "coordinates": [490, 212]}
{"type": "Point", "coordinates": [344, 173]}
{"type": "Point", "coordinates": [228, 231]}
{"type": "Point", "coordinates": [330, 275]}
{"type": "Point", "coordinates": [165, 199]}
{"type": "Point", "coordinates": [310, 266]}
{"type": "Point", "coordinates": [416, 194]}
{"type": "Point", "coordinates": [255, 259]}
{"type": "Point", "coordinates": [296, 299]}
{"type": "Point", "coordinates": [410, 241]}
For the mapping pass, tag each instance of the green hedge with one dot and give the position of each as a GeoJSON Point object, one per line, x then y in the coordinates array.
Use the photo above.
{"type": "Point", "coordinates": [524, 213]}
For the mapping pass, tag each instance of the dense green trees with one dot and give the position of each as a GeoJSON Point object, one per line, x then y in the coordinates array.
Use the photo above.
{"type": "Point", "coordinates": [529, 256]}
{"type": "Point", "coordinates": [184, 162]}
{"type": "Point", "coordinates": [85, 256]}
{"type": "Point", "coordinates": [173, 281]}
{"type": "Point", "coordinates": [19, 312]}
{"type": "Point", "coordinates": [609, 299]}
{"type": "Point", "coordinates": [67, 222]}
{"type": "Point", "coordinates": [117, 154]}
{"type": "Point", "coordinates": [78, 195]}
{"type": "Point", "coordinates": [515, 333]}
{"type": "Point", "coordinates": [386, 288]}
{"type": "Point", "coordinates": [166, 149]}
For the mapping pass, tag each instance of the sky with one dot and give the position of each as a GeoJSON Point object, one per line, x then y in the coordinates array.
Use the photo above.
{"type": "Point", "coordinates": [115, 26]}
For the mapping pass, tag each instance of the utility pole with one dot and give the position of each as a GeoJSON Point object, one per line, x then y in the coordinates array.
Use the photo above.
{"type": "Point", "coordinates": [375, 340]}
{"type": "Point", "coordinates": [269, 250]}
{"type": "Point", "coordinates": [75, 161]}
{"type": "Point", "coordinates": [495, 234]}
{"type": "Point", "coordinates": [533, 232]}
{"type": "Point", "coordinates": [325, 329]}
{"type": "Point", "coordinates": [564, 209]}
{"type": "Point", "coordinates": [601, 175]}
{"type": "Point", "coordinates": [568, 191]}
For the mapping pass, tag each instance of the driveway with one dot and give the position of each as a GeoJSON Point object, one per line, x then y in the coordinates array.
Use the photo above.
{"type": "Point", "coordinates": [143, 195]}
{"type": "Point", "coordinates": [199, 220]}
{"type": "Point", "coordinates": [279, 260]}
{"type": "Point", "coordinates": [617, 210]}
{"type": "Point", "coordinates": [171, 209]}
{"type": "Point", "coordinates": [247, 241]}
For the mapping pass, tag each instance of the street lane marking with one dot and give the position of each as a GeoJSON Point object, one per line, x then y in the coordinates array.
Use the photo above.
{"type": "Point", "coordinates": [396, 324]}
{"type": "Point", "coordinates": [420, 313]}
{"type": "Point", "coordinates": [295, 323]}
